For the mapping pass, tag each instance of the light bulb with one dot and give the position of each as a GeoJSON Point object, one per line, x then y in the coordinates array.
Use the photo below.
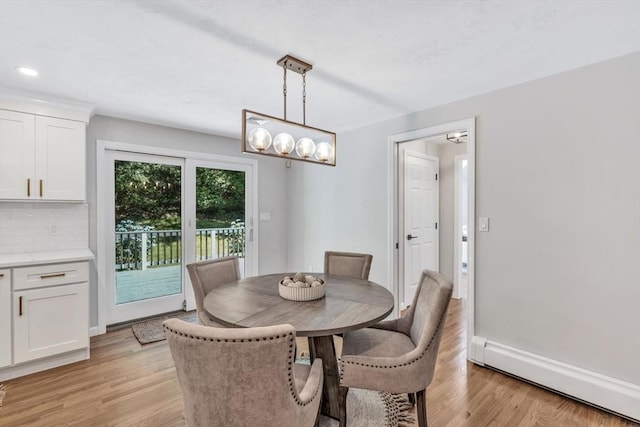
{"type": "Point", "coordinates": [259, 139]}
{"type": "Point", "coordinates": [305, 147]}
{"type": "Point", "coordinates": [283, 143]}
{"type": "Point", "coordinates": [324, 152]}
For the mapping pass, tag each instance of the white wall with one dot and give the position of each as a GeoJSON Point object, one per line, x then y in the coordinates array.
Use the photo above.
{"type": "Point", "coordinates": [272, 178]}
{"type": "Point", "coordinates": [557, 172]}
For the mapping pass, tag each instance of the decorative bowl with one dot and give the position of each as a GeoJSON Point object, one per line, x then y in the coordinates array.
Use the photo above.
{"type": "Point", "coordinates": [299, 293]}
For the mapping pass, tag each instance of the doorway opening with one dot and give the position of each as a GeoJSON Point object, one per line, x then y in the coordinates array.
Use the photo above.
{"type": "Point", "coordinates": [434, 142]}
{"type": "Point", "coordinates": [461, 227]}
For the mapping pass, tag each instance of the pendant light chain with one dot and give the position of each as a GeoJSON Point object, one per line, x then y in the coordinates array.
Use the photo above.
{"type": "Point", "coordinates": [284, 88]}
{"type": "Point", "coordinates": [304, 98]}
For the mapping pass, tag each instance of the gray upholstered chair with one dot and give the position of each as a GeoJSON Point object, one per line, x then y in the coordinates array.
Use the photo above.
{"type": "Point", "coordinates": [398, 356]}
{"type": "Point", "coordinates": [348, 264]}
{"type": "Point", "coordinates": [207, 275]}
{"type": "Point", "coordinates": [243, 376]}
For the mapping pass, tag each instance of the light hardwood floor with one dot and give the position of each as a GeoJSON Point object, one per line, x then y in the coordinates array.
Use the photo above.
{"type": "Point", "coordinates": [126, 384]}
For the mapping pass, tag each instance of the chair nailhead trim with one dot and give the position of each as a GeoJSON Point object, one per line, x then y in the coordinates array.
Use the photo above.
{"type": "Point", "coordinates": [291, 358]}
{"type": "Point", "coordinates": [440, 326]}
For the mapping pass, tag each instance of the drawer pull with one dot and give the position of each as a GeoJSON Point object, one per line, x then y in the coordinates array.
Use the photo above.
{"type": "Point", "coordinates": [1, 275]}
{"type": "Point", "coordinates": [19, 306]}
{"type": "Point", "coordinates": [50, 276]}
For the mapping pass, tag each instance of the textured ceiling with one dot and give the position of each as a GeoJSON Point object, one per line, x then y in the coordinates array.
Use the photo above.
{"type": "Point", "coordinates": [195, 65]}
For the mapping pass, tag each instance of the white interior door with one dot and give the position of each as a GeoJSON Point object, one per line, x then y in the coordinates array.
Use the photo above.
{"type": "Point", "coordinates": [420, 219]}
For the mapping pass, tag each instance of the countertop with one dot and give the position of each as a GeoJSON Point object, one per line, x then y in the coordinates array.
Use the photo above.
{"type": "Point", "coordinates": [49, 257]}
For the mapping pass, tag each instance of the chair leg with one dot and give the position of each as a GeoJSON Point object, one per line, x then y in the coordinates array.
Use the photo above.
{"type": "Point", "coordinates": [422, 408]}
{"type": "Point", "coordinates": [342, 405]}
{"type": "Point", "coordinates": [412, 398]}
{"type": "Point", "coordinates": [317, 423]}
{"type": "Point", "coordinates": [312, 350]}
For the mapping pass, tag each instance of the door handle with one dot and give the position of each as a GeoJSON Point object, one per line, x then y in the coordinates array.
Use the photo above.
{"type": "Point", "coordinates": [409, 237]}
{"type": "Point", "coordinates": [19, 306]}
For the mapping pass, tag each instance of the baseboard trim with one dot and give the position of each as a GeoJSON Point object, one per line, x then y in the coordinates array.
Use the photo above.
{"type": "Point", "coordinates": [95, 330]}
{"type": "Point", "coordinates": [476, 352]}
{"type": "Point", "coordinates": [600, 390]}
{"type": "Point", "coordinates": [26, 368]}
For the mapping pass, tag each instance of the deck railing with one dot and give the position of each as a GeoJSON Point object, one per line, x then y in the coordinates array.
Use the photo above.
{"type": "Point", "coordinates": [138, 250]}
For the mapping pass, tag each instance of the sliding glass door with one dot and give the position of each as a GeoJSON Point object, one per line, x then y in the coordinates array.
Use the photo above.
{"type": "Point", "coordinates": [220, 223]}
{"type": "Point", "coordinates": [164, 213]}
{"type": "Point", "coordinates": [147, 246]}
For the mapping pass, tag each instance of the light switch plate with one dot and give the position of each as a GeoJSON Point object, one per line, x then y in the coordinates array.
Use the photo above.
{"type": "Point", "coordinates": [265, 216]}
{"type": "Point", "coordinates": [483, 223]}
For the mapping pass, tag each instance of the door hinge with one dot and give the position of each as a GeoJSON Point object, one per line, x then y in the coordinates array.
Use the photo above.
{"type": "Point", "coordinates": [397, 246]}
{"type": "Point", "coordinates": [436, 177]}
{"type": "Point", "coordinates": [184, 305]}
{"type": "Point", "coordinates": [436, 225]}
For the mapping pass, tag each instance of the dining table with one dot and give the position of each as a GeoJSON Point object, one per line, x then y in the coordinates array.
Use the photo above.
{"type": "Point", "coordinates": [348, 304]}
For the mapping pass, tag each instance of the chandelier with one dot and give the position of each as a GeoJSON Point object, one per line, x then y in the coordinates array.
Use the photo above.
{"type": "Point", "coordinates": [271, 136]}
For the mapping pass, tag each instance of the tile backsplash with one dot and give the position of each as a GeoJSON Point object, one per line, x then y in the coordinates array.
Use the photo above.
{"type": "Point", "coordinates": [36, 227]}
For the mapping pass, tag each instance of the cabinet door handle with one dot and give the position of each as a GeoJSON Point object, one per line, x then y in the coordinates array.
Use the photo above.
{"type": "Point", "coordinates": [1, 275]}
{"type": "Point", "coordinates": [19, 306]}
{"type": "Point", "coordinates": [41, 188]}
{"type": "Point", "coordinates": [49, 276]}
{"type": "Point", "coordinates": [28, 187]}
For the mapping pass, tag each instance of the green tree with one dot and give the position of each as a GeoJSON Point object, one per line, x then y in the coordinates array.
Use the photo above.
{"type": "Point", "coordinates": [219, 195]}
{"type": "Point", "coordinates": [150, 194]}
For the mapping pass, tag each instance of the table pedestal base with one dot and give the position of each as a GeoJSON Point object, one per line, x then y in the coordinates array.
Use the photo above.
{"type": "Point", "coordinates": [323, 348]}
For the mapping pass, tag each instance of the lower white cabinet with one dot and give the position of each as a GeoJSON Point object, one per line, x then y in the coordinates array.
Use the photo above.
{"type": "Point", "coordinates": [5, 318]}
{"type": "Point", "coordinates": [44, 317]}
{"type": "Point", "coordinates": [50, 321]}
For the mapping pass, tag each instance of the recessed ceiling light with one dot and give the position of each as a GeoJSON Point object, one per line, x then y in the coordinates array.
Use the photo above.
{"type": "Point", "coordinates": [27, 71]}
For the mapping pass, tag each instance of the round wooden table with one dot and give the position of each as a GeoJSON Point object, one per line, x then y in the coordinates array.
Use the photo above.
{"type": "Point", "coordinates": [348, 304]}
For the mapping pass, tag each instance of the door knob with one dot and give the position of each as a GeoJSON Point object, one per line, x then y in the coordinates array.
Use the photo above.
{"type": "Point", "coordinates": [409, 237]}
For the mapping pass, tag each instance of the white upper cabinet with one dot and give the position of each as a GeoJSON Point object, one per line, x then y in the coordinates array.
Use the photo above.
{"type": "Point", "coordinates": [41, 157]}
{"type": "Point", "coordinates": [60, 159]}
{"type": "Point", "coordinates": [17, 154]}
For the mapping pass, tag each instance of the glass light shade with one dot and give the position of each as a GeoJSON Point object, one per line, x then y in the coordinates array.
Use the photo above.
{"type": "Point", "coordinates": [293, 141]}
{"type": "Point", "coordinates": [283, 143]}
{"type": "Point", "coordinates": [259, 139]}
{"type": "Point", "coordinates": [305, 147]}
{"type": "Point", "coordinates": [324, 152]}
